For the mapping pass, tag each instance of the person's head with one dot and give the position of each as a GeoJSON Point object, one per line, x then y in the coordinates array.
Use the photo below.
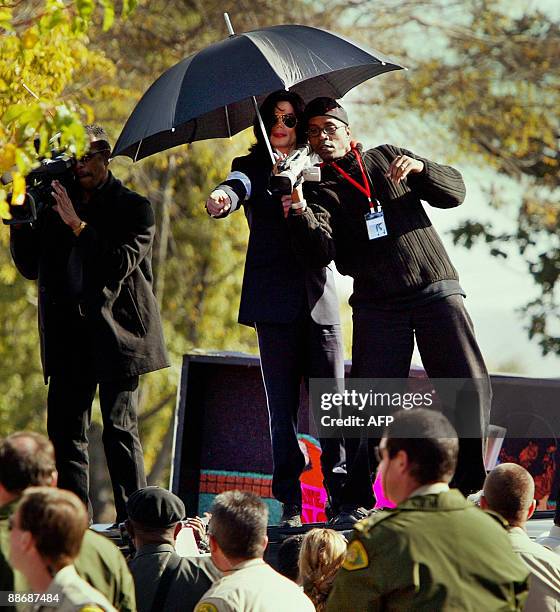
{"type": "Point", "coordinates": [420, 447]}
{"type": "Point", "coordinates": [26, 460]}
{"type": "Point", "coordinates": [509, 490]}
{"type": "Point", "coordinates": [321, 555]}
{"type": "Point", "coordinates": [288, 557]}
{"type": "Point", "coordinates": [92, 169]}
{"type": "Point", "coordinates": [46, 530]}
{"type": "Point", "coordinates": [154, 516]}
{"type": "Point", "coordinates": [327, 127]}
{"type": "Point", "coordinates": [282, 115]}
{"type": "Point", "coordinates": [237, 529]}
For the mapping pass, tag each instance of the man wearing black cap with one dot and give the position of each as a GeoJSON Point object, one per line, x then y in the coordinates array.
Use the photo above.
{"type": "Point", "coordinates": [164, 580]}
{"type": "Point", "coordinates": [367, 215]}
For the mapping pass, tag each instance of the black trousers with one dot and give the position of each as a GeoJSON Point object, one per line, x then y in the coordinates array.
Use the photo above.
{"type": "Point", "coordinates": [69, 404]}
{"type": "Point", "coordinates": [382, 347]}
{"type": "Point", "coordinates": [289, 353]}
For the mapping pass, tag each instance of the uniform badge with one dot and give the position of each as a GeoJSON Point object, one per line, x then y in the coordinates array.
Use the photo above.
{"type": "Point", "coordinates": [206, 607]}
{"type": "Point", "coordinates": [356, 556]}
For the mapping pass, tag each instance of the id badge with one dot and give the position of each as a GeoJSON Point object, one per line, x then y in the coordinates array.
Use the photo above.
{"type": "Point", "coordinates": [375, 223]}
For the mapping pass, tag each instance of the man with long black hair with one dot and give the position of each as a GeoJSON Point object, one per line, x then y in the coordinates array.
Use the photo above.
{"type": "Point", "coordinates": [293, 307]}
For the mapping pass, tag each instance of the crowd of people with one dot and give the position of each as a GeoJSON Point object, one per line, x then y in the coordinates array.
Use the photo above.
{"type": "Point", "coordinates": [434, 551]}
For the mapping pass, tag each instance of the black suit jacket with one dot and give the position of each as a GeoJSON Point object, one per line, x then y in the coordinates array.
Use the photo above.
{"type": "Point", "coordinates": [110, 263]}
{"type": "Point", "coordinates": [277, 283]}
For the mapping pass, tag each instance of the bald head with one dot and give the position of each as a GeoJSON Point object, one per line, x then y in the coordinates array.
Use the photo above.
{"type": "Point", "coordinates": [509, 490]}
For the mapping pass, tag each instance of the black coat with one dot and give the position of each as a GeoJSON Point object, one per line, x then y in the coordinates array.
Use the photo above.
{"type": "Point", "coordinates": [276, 282]}
{"type": "Point", "coordinates": [112, 298]}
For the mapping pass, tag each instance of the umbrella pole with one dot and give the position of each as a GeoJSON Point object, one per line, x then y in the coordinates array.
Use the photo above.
{"type": "Point", "coordinates": [263, 130]}
{"type": "Point", "coordinates": [261, 123]}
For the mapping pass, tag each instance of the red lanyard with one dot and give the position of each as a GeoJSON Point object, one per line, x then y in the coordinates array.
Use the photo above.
{"type": "Point", "coordinates": [365, 188]}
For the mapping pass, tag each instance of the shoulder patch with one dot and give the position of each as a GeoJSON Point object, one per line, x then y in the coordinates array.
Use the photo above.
{"type": "Point", "coordinates": [206, 607]}
{"type": "Point", "coordinates": [356, 556]}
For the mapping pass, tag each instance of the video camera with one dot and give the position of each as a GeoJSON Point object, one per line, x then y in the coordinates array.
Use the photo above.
{"type": "Point", "coordinates": [38, 192]}
{"type": "Point", "coordinates": [297, 167]}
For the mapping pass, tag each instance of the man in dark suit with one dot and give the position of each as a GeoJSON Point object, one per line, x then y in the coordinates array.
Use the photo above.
{"type": "Point", "coordinates": [99, 323]}
{"type": "Point", "coordinates": [292, 305]}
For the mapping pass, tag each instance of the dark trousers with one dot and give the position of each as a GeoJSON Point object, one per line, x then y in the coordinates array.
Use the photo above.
{"type": "Point", "coordinates": [382, 347]}
{"type": "Point", "coordinates": [68, 419]}
{"type": "Point", "coordinates": [289, 353]}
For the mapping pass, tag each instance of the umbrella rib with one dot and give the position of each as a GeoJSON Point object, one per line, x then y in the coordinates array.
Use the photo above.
{"type": "Point", "coordinates": [138, 150]}
{"type": "Point", "coordinates": [227, 120]}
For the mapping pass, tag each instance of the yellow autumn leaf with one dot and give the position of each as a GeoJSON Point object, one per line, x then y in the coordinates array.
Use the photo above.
{"type": "Point", "coordinates": [29, 38]}
{"type": "Point", "coordinates": [7, 157]}
{"type": "Point", "coordinates": [18, 189]}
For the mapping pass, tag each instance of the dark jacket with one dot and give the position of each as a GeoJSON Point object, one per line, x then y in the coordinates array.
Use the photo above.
{"type": "Point", "coordinates": [193, 577]}
{"type": "Point", "coordinates": [276, 283]}
{"type": "Point", "coordinates": [432, 552]}
{"type": "Point", "coordinates": [412, 255]}
{"type": "Point", "coordinates": [105, 274]}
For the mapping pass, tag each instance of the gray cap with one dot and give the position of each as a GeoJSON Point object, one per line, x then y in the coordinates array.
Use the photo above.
{"type": "Point", "coordinates": [155, 507]}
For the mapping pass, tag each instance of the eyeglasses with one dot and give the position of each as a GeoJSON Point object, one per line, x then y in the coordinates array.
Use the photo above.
{"type": "Point", "coordinates": [289, 120]}
{"type": "Point", "coordinates": [89, 156]}
{"type": "Point", "coordinates": [329, 130]}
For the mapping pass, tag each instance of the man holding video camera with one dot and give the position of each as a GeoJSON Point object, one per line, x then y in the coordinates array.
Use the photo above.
{"type": "Point", "coordinates": [99, 323]}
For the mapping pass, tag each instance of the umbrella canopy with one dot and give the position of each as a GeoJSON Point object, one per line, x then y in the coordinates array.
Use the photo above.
{"type": "Point", "coordinates": [209, 94]}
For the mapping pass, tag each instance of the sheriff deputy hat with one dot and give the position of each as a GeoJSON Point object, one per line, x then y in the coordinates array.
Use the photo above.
{"type": "Point", "coordinates": [155, 507]}
{"type": "Point", "coordinates": [323, 106]}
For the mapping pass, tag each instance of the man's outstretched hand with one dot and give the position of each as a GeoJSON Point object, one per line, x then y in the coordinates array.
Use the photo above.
{"type": "Point", "coordinates": [218, 202]}
{"type": "Point", "coordinates": [402, 166]}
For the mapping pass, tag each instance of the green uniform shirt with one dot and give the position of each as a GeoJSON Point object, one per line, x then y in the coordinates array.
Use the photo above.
{"type": "Point", "coordinates": [100, 563]}
{"type": "Point", "coordinates": [432, 552]}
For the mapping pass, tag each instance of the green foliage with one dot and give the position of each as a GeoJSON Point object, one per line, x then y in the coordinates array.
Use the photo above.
{"type": "Point", "coordinates": [44, 54]}
{"type": "Point", "coordinates": [498, 90]}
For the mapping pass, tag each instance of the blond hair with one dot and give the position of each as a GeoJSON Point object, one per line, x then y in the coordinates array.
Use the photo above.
{"type": "Point", "coordinates": [321, 555]}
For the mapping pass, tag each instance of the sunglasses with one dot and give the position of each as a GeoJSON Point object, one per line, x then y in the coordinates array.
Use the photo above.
{"type": "Point", "coordinates": [89, 156]}
{"type": "Point", "coordinates": [289, 120]}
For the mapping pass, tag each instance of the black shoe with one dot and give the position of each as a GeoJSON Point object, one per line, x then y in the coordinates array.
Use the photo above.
{"type": "Point", "coordinates": [349, 515]}
{"type": "Point", "coordinates": [290, 515]}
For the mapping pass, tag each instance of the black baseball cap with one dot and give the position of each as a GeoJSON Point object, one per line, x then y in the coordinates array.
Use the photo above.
{"type": "Point", "coordinates": [324, 106]}
{"type": "Point", "coordinates": [155, 507]}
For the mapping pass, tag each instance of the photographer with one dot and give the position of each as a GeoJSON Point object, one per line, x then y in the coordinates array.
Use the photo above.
{"type": "Point", "coordinates": [99, 323]}
{"type": "Point", "coordinates": [293, 306]}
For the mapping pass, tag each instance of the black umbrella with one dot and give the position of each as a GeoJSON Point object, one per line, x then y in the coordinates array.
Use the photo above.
{"type": "Point", "coordinates": [210, 94]}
